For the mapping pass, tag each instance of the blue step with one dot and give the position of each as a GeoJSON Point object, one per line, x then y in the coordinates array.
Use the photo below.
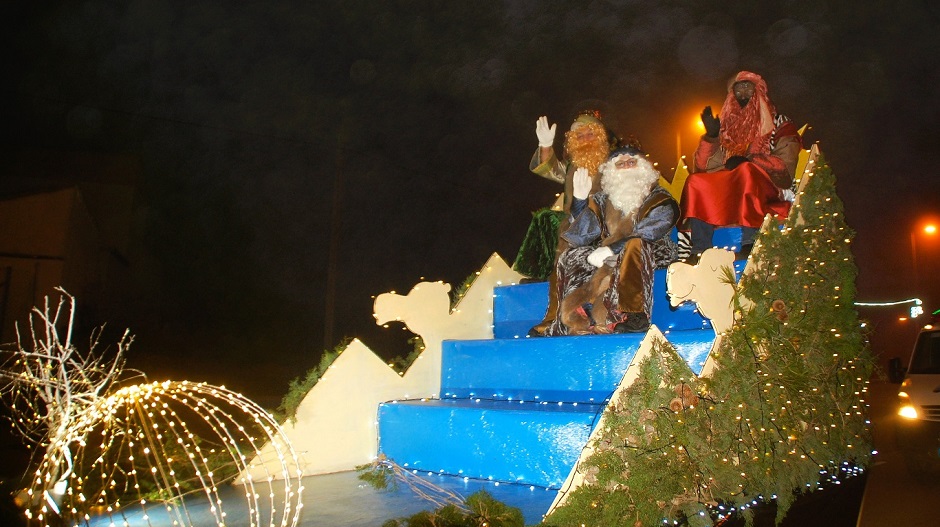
{"type": "Point", "coordinates": [516, 442]}
{"type": "Point", "coordinates": [516, 308]}
{"type": "Point", "coordinates": [723, 237]}
{"type": "Point", "coordinates": [581, 369]}
{"type": "Point", "coordinates": [667, 318]}
{"type": "Point", "coordinates": [727, 238]}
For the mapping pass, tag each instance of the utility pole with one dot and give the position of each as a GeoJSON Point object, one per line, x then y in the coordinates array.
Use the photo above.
{"type": "Point", "coordinates": [329, 301]}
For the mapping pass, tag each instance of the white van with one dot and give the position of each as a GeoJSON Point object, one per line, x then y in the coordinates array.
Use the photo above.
{"type": "Point", "coordinates": [918, 426]}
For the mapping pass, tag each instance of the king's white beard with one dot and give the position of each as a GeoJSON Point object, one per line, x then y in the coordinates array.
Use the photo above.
{"type": "Point", "coordinates": [628, 187]}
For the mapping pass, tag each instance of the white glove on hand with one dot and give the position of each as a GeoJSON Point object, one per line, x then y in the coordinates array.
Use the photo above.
{"type": "Point", "coordinates": [600, 254]}
{"type": "Point", "coordinates": [545, 133]}
{"type": "Point", "coordinates": [787, 195]}
{"type": "Point", "coordinates": [581, 184]}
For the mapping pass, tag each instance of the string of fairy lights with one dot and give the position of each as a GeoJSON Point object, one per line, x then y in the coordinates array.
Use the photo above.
{"type": "Point", "coordinates": [140, 454]}
{"type": "Point", "coordinates": [916, 310]}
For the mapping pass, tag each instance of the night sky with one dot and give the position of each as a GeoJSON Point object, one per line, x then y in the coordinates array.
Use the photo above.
{"type": "Point", "coordinates": [404, 128]}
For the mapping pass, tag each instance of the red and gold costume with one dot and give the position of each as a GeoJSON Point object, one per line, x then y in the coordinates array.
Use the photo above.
{"type": "Point", "coordinates": [743, 195]}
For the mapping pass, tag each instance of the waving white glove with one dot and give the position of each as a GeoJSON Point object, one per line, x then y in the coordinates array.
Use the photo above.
{"type": "Point", "coordinates": [581, 184]}
{"type": "Point", "coordinates": [545, 133]}
{"type": "Point", "coordinates": [600, 254]}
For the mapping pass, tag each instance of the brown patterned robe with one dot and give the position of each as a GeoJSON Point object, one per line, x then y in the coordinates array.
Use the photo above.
{"type": "Point", "coordinates": [593, 299]}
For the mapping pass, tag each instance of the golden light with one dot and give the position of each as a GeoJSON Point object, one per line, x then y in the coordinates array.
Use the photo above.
{"type": "Point", "coordinates": [697, 124]}
{"type": "Point", "coordinates": [908, 412]}
{"type": "Point", "coordinates": [930, 229]}
{"type": "Point", "coordinates": [694, 126]}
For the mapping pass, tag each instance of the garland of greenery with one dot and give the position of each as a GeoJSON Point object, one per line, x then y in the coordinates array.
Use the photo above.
{"type": "Point", "coordinates": [299, 387]}
{"type": "Point", "coordinates": [785, 405]}
{"type": "Point", "coordinates": [536, 257]}
{"type": "Point", "coordinates": [457, 294]}
{"type": "Point", "coordinates": [483, 511]}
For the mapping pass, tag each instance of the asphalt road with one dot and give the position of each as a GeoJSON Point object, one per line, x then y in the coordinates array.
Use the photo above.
{"type": "Point", "coordinates": [892, 495]}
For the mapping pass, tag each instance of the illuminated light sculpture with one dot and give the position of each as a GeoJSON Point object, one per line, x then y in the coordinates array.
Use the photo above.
{"type": "Point", "coordinates": [153, 453]}
{"type": "Point", "coordinates": [383, 472]}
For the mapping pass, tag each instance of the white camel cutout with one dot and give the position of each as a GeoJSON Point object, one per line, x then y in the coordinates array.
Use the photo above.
{"type": "Point", "coordinates": [425, 309]}
{"type": "Point", "coordinates": [707, 285]}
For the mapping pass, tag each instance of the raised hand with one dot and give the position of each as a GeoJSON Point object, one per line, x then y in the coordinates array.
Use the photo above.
{"type": "Point", "coordinates": [712, 124]}
{"type": "Point", "coordinates": [581, 183]}
{"type": "Point", "coordinates": [545, 133]}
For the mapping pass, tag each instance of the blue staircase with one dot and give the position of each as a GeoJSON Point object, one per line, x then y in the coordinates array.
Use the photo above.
{"type": "Point", "coordinates": [519, 410]}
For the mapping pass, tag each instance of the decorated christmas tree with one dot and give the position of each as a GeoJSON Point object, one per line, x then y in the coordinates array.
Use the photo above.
{"type": "Point", "coordinates": [782, 414]}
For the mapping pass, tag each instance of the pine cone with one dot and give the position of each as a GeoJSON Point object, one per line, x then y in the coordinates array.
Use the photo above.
{"type": "Point", "coordinates": [676, 405]}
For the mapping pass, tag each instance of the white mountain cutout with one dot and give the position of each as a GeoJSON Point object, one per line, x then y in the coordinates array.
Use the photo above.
{"type": "Point", "coordinates": [335, 427]}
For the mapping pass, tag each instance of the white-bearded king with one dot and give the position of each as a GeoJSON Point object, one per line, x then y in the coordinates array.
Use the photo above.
{"type": "Point", "coordinates": [616, 238]}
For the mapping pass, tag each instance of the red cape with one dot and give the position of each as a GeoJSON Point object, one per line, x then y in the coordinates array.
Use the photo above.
{"type": "Point", "coordinates": [742, 196]}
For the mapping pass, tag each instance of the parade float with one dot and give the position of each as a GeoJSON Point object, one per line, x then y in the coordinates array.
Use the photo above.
{"type": "Point", "coordinates": [748, 388]}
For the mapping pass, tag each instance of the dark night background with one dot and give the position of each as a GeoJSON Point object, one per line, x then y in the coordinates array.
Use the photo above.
{"type": "Point", "coordinates": [261, 128]}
